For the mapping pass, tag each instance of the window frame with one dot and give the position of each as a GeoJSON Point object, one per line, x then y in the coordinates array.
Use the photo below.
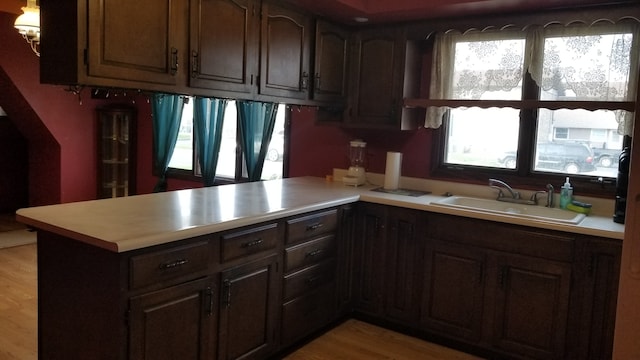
{"type": "Point", "coordinates": [194, 173]}
{"type": "Point", "coordinates": [523, 176]}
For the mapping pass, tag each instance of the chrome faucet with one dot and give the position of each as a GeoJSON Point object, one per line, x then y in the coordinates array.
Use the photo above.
{"type": "Point", "coordinates": [549, 195]}
{"type": "Point", "coordinates": [548, 192]}
{"type": "Point", "coordinates": [494, 184]}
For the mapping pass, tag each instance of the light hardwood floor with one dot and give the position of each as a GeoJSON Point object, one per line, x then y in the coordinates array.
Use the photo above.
{"type": "Point", "coordinates": [18, 303]}
{"type": "Point", "coordinates": [357, 340]}
{"type": "Point", "coordinates": [351, 340]}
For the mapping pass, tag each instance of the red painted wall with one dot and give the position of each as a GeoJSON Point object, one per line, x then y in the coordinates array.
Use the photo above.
{"type": "Point", "coordinates": [59, 128]}
{"type": "Point", "coordinates": [317, 148]}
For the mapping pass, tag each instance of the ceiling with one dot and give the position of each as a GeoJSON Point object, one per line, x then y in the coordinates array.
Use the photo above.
{"type": "Point", "coordinates": [12, 6]}
{"type": "Point", "coordinates": [386, 11]}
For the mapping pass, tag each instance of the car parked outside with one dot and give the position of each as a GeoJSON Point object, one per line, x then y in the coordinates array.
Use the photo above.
{"type": "Point", "coordinates": [276, 146]}
{"type": "Point", "coordinates": [568, 157]}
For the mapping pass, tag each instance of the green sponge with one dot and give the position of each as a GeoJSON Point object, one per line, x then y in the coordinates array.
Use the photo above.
{"type": "Point", "coordinates": [579, 207]}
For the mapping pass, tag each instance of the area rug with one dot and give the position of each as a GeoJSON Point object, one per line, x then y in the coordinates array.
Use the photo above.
{"type": "Point", "coordinates": [17, 238]}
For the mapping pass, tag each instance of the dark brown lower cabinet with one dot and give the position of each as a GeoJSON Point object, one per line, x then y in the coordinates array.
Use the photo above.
{"type": "Point", "coordinates": [174, 323]}
{"type": "Point", "coordinates": [406, 236]}
{"type": "Point", "coordinates": [369, 259]}
{"type": "Point", "coordinates": [347, 216]}
{"type": "Point", "coordinates": [249, 310]}
{"type": "Point", "coordinates": [532, 306]}
{"type": "Point", "coordinates": [520, 292]}
{"type": "Point", "coordinates": [308, 313]}
{"type": "Point", "coordinates": [454, 288]}
{"type": "Point", "coordinates": [389, 249]}
{"type": "Point", "coordinates": [597, 290]}
{"type": "Point", "coordinates": [506, 291]}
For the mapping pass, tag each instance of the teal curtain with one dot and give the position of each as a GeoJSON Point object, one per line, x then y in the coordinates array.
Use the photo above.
{"type": "Point", "coordinates": [208, 116]}
{"type": "Point", "coordinates": [166, 112]}
{"type": "Point", "coordinates": [256, 121]}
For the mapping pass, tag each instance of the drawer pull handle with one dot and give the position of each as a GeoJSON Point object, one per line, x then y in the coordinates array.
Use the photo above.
{"type": "Point", "coordinates": [314, 227]}
{"type": "Point", "coordinates": [314, 253]}
{"type": "Point", "coordinates": [252, 243]}
{"type": "Point", "coordinates": [312, 280]}
{"type": "Point", "coordinates": [208, 293]}
{"type": "Point", "coordinates": [173, 264]}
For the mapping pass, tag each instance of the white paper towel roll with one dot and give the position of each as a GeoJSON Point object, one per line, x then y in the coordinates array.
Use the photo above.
{"type": "Point", "coordinates": [392, 171]}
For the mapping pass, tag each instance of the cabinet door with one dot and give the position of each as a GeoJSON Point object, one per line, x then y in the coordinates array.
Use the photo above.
{"type": "Point", "coordinates": [376, 78]}
{"type": "Point", "coordinates": [248, 310]}
{"type": "Point", "coordinates": [454, 287]}
{"type": "Point", "coordinates": [601, 268]}
{"type": "Point", "coordinates": [138, 40]}
{"type": "Point", "coordinates": [344, 278]}
{"type": "Point", "coordinates": [532, 301]}
{"type": "Point", "coordinates": [224, 44]}
{"type": "Point", "coordinates": [174, 323]}
{"type": "Point", "coordinates": [116, 152]}
{"type": "Point", "coordinates": [285, 52]}
{"type": "Point", "coordinates": [330, 63]}
{"type": "Point", "coordinates": [405, 239]}
{"type": "Point", "coordinates": [370, 262]}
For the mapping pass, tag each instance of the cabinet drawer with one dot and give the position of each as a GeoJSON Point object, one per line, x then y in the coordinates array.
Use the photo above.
{"type": "Point", "coordinates": [247, 242]}
{"type": "Point", "coordinates": [309, 253]}
{"type": "Point", "coordinates": [309, 226]}
{"type": "Point", "coordinates": [308, 313]}
{"type": "Point", "coordinates": [169, 264]}
{"type": "Point", "coordinates": [308, 279]}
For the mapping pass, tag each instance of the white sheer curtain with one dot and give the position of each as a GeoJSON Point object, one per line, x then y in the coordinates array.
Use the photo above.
{"type": "Point", "coordinates": [580, 63]}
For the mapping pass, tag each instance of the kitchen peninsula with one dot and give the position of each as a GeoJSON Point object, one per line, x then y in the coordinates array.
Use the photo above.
{"type": "Point", "coordinates": [248, 270]}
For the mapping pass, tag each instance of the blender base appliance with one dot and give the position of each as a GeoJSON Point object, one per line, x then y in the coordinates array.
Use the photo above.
{"type": "Point", "coordinates": [356, 174]}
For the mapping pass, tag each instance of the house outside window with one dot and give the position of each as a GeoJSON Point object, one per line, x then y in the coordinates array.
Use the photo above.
{"type": "Point", "coordinates": [561, 133]}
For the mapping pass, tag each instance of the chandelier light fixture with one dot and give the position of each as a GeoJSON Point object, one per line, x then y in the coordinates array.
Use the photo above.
{"type": "Point", "coordinates": [28, 25]}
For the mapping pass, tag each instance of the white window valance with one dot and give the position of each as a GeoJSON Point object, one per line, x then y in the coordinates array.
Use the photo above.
{"type": "Point", "coordinates": [569, 63]}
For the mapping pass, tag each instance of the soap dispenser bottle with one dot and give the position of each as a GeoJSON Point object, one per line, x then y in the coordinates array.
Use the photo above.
{"type": "Point", "coordinates": [566, 194]}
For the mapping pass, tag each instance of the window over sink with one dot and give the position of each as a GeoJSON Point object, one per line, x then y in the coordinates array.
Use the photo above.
{"type": "Point", "coordinates": [537, 103]}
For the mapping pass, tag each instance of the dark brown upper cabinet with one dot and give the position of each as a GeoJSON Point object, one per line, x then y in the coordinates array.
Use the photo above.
{"type": "Point", "coordinates": [224, 44]}
{"type": "Point", "coordinates": [331, 54]}
{"type": "Point", "coordinates": [114, 43]}
{"type": "Point", "coordinates": [244, 49]}
{"type": "Point", "coordinates": [385, 68]}
{"type": "Point", "coordinates": [285, 50]}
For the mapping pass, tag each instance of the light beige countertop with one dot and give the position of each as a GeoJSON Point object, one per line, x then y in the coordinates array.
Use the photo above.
{"type": "Point", "coordinates": [135, 222]}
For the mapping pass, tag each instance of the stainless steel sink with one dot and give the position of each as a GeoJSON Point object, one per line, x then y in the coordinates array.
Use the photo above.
{"type": "Point", "coordinates": [533, 212]}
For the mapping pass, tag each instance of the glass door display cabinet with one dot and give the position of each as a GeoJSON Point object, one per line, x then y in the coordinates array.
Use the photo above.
{"type": "Point", "coordinates": [116, 151]}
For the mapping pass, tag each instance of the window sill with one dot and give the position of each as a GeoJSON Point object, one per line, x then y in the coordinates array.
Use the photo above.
{"type": "Point", "coordinates": [524, 104]}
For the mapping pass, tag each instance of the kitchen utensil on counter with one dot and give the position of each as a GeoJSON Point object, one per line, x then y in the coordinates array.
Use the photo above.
{"type": "Point", "coordinates": [356, 174]}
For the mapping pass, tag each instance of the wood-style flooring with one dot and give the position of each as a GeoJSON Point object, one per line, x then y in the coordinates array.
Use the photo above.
{"type": "Point", "coordinates": [351, 340]}
{"type": "Point", "coordinates": [357, 340]}
{"type": "Point", "coordinates": [18, 303]}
